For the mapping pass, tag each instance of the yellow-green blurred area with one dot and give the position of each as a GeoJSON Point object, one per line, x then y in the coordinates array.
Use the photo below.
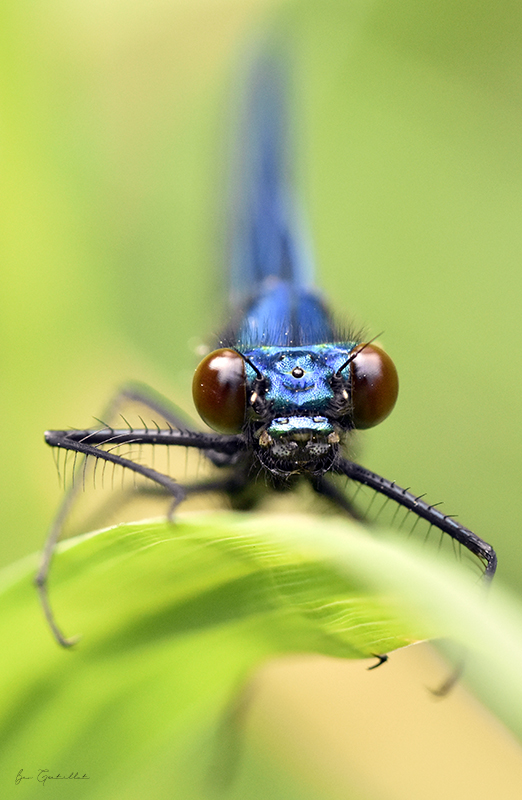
{"type": "Point", "coordinates": [115, 146]}
{"type": "Point", "coordinates": [114, 141]}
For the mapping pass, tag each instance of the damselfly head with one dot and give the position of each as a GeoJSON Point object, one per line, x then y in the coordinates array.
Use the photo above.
{"type": "Point", "coordinates": [297, 403]}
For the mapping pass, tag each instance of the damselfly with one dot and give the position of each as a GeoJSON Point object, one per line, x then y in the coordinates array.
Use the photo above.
{"type": "Point", "coordinates": [285, 387]}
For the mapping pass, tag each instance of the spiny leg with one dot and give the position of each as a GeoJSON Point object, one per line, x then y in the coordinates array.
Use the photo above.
{"type": "Point", "coordinates": [165, 481]}
{"type": "Point", "coordinates": [326, 488]}
{"type": "Point", "coordinates": [159, 405]}
{"type": "Point", "coordinates": [444, 523]}
{"type": "Point", "coordinates": [135, 392]}
{"type": "Point", "coordinates": [431, 514]}
{"type": "Point", "coordinates": [83, 442]}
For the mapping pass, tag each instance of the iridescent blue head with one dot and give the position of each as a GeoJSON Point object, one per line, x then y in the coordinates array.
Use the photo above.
{"type": "Point", "coordinates": [294, 405]}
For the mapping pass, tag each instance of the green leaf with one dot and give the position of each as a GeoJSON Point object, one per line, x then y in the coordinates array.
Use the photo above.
{"type": "Point", "coordinates": [174, 619]}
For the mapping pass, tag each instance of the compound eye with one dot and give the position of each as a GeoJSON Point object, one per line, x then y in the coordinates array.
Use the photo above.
{"type": "Point", "coordinates": [375, 385]}
{"type": "Point", "coordinates": [219, 390]}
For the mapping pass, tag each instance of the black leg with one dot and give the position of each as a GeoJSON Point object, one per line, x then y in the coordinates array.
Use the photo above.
{"type": "Point", "coordinates": [90, 443]}
{"type": "Point", "coordinates": [161, 406]}
{"type": "Point", "coordinates": [173, 488]}
{"type": "Point", "coordinates": [326, 488]}
{"type": "Point", "coordinates": [136, 392]}
{"type": "Point", "coordinates": [447, 524]}
{"type": "Point", "coordinates": [383, 658]}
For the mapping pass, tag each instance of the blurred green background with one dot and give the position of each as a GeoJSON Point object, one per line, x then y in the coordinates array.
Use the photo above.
{"type": "Point", "coordinates": [114, 141]}
{"type": "Point", "coordinates": [115, 144]}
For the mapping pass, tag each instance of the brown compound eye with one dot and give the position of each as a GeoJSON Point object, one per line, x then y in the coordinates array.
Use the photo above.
{"type": "Point", "coordinates": [219, 390]}
{"type": "Point", "coordinates": [375, 385]}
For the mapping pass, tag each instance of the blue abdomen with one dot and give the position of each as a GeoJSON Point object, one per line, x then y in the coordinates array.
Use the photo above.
{"type": "Point", "coordinates": [271, 280]}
